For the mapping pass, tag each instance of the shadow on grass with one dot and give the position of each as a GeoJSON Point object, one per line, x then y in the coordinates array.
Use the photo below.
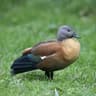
{"type": "Point", "coordinates": [38, 75]}
{"type": "Point", "coordinates": [35, 75]}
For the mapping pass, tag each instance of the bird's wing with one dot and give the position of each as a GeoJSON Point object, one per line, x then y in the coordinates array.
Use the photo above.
{"type": "Point", "coordinates": [52, 62]}
{"type": "Point", "coordinates": [29, 50]}
{"type": "Point", "coordinates": [26, 51]}
{"type": "Point", "coordinates": [43, 49]}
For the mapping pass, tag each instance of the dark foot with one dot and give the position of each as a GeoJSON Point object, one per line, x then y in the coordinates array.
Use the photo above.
{"type": "Point", "coordinates": [49, 75]}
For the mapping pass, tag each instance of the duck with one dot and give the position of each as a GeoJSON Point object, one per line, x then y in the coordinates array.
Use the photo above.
{"type": "Point", "coordinates": [50, 56]}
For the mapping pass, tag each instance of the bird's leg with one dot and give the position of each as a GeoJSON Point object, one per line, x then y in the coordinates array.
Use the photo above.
{"type": "Point", "coordinates": [49, 75]}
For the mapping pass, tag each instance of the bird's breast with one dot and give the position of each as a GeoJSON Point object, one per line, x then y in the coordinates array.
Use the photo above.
{"type": "Point", "coordinates": [71, 49]}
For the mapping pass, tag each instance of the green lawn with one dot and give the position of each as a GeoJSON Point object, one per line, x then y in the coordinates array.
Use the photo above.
{"type": "Point", "coordinates": [27, 22]}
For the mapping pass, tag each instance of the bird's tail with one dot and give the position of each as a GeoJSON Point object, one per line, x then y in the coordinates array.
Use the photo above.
{"type": "Point", "coordinates": [25, 63]}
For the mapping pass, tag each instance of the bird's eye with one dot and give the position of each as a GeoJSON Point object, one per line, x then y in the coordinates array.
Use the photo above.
{"type": "Point", "coordinates": [68, 30]}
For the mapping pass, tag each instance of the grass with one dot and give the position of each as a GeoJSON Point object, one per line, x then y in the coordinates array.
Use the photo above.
{"type": "Point", "coordinates": [24, 24]}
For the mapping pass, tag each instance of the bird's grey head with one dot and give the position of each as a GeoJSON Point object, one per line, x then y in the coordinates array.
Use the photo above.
{"type": "Point", "coordinates": [65, 32]}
